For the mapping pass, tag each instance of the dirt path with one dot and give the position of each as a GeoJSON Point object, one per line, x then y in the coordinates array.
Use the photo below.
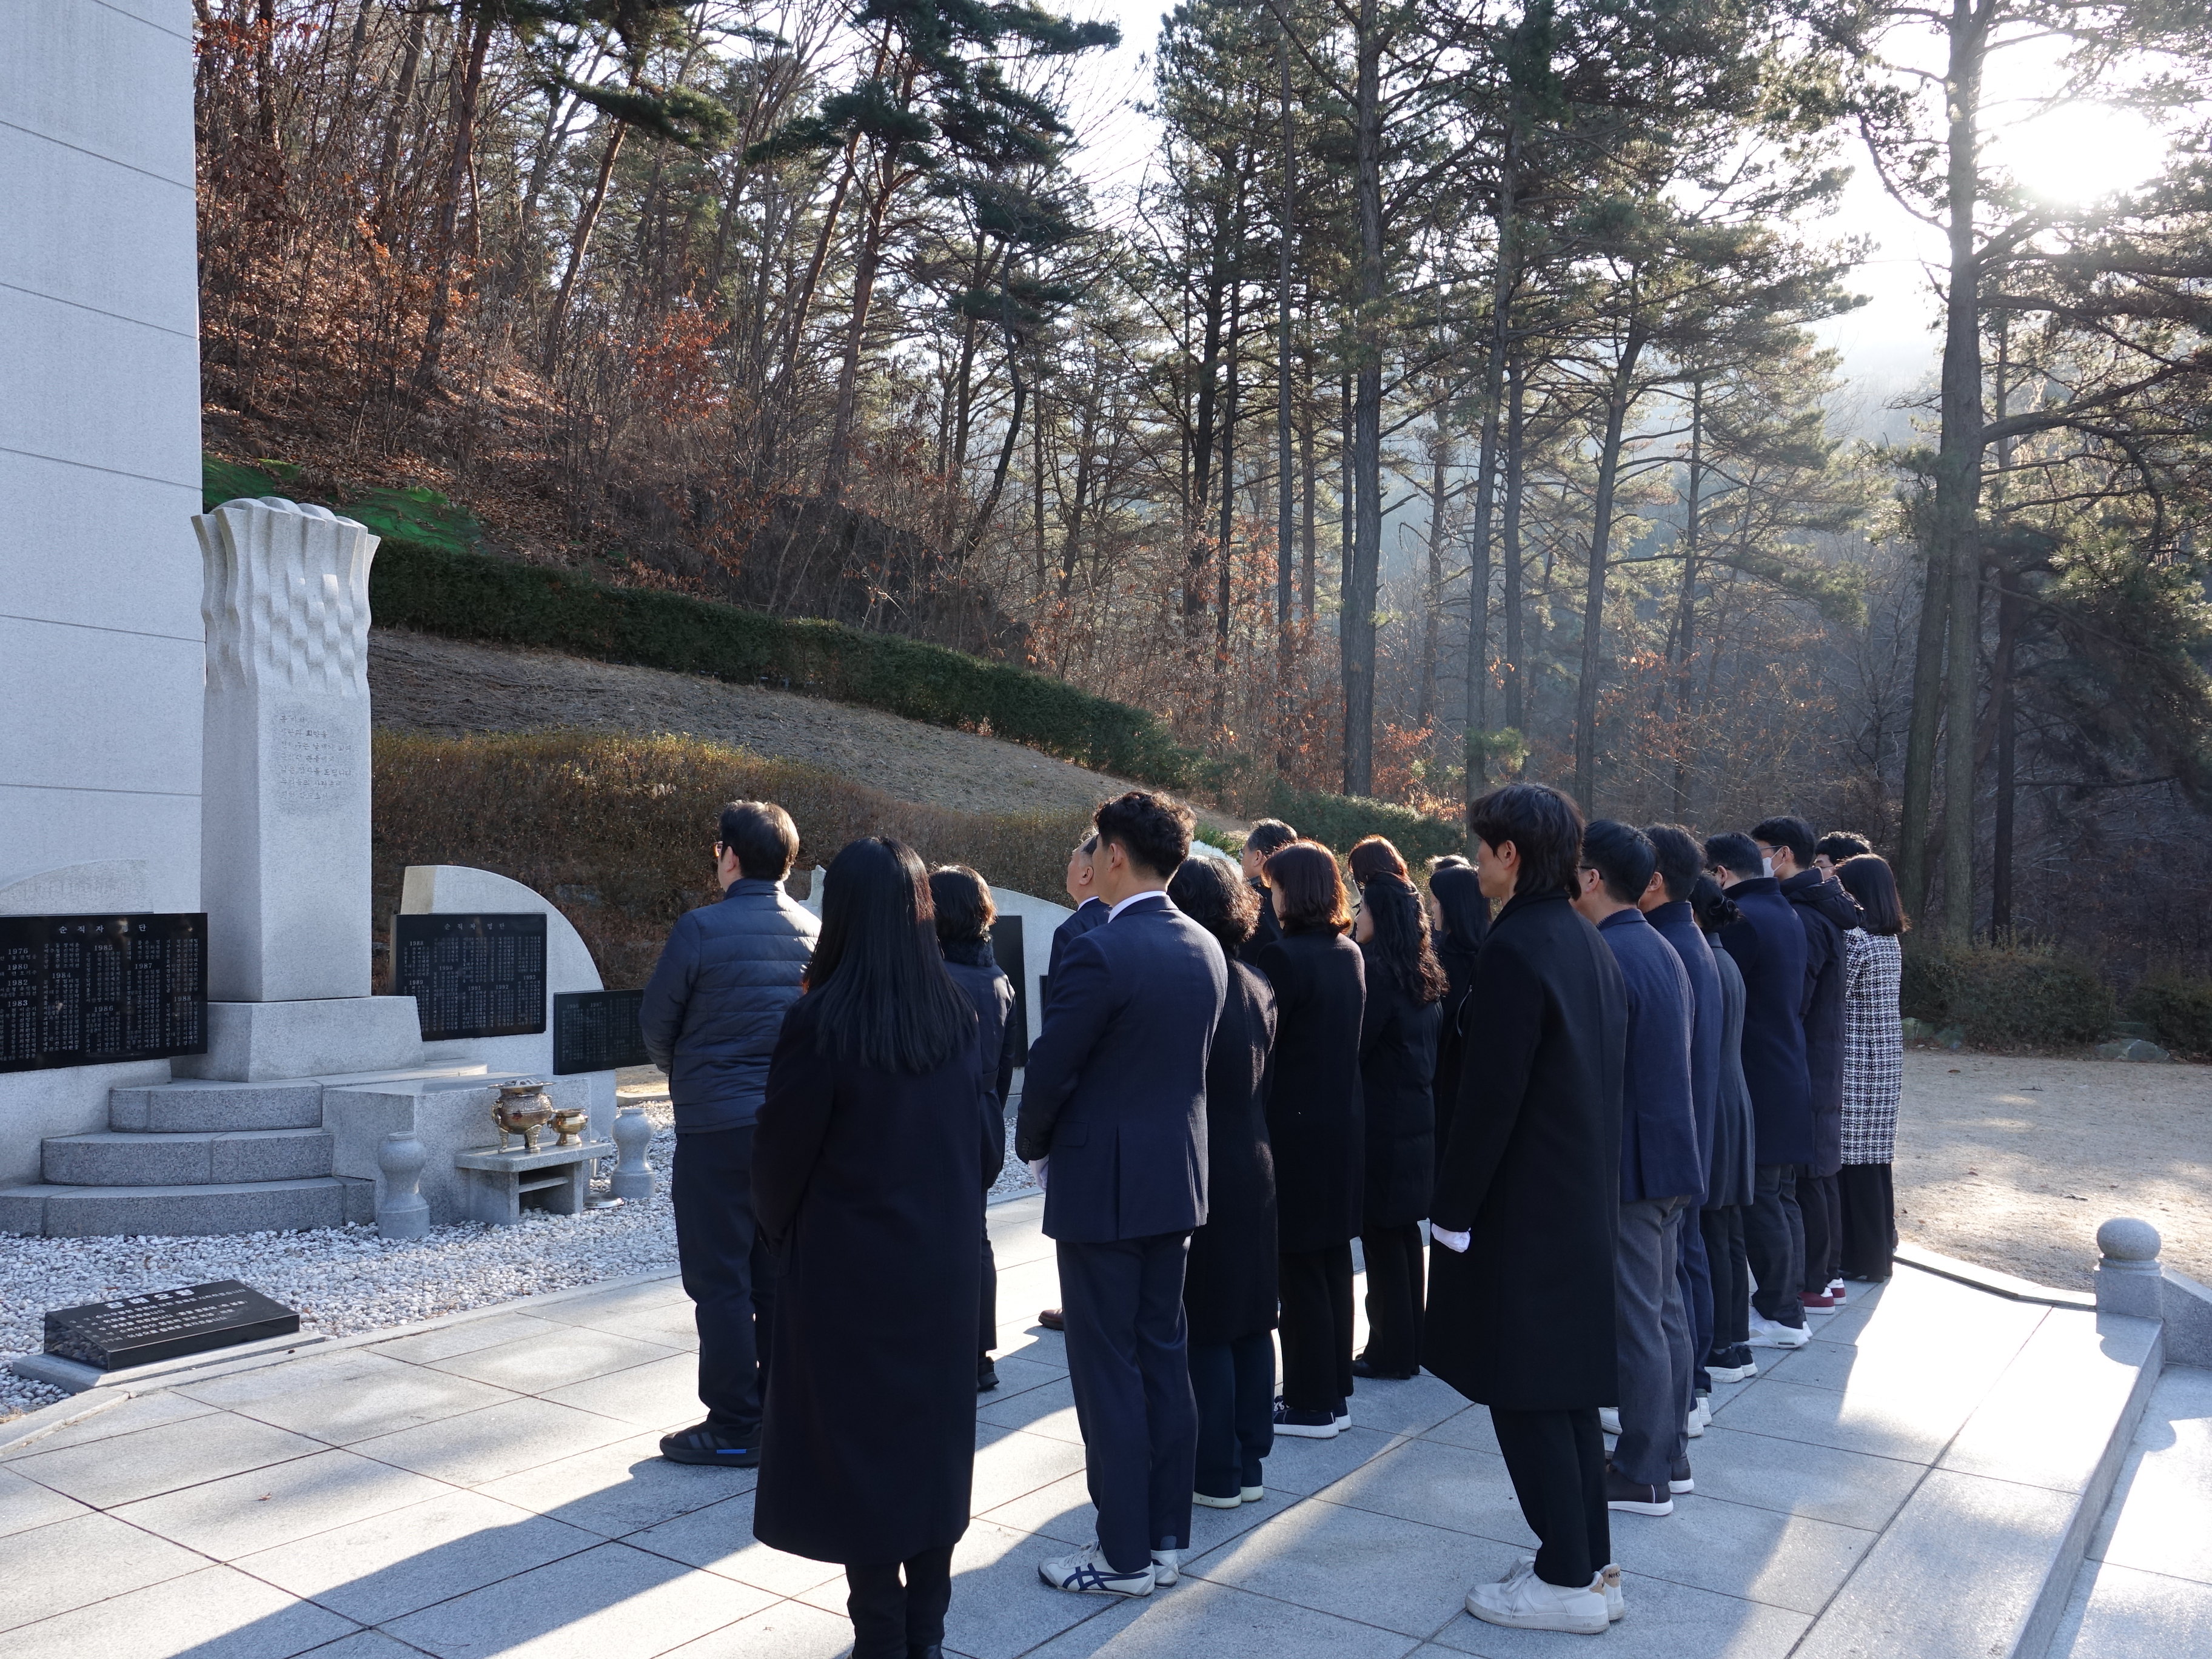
{"type": "Point", "coordinates": [2014, 1162]}
{"type": "Point", "coordinates": [422, 682]}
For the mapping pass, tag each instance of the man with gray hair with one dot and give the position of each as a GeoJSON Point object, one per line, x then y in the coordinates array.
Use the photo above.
{"type": "Point", "coordinates": [711, 1015]}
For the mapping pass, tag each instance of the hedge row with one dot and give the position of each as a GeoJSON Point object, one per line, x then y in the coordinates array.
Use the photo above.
{"type": "Point", "coordinates": [477, 596]}
{"type": "Point", "coordinates": [2014, 996]}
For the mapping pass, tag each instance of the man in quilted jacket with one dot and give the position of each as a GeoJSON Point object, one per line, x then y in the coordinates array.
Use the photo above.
{"type": "Point", "coordinates": [711, 1016]}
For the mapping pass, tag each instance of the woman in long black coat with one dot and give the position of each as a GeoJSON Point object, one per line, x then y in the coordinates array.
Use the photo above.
{"type": "Point", "coordinates": [1731, 1181]}
{"type": "Point", "coordinates": [964, 914]}
{"type": "Point", "coordinates": [868, 1182]}
{"type": "Point", "coordinates": [1520, 1295]}
{"type": "Point", "coordinates": [1397, 1072]}
{"type": "Point", "coordinates": [1462, 916]}
{"type": "Point", "coordinates": [1228, 1286]}
{"type": "Point", "coordinates": [1317, 1129]}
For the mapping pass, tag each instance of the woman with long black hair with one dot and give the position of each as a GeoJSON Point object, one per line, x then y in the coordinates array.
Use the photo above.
{"type": "Point", "coordinates": [1398, 1028]}
{"type": "Point", "coordinates": [1460, 917]}
{"type": "Point", "coordinates": [1873, 1067]}
{"type": "Point", "coordinates": [868, 1180]}
{"type": "Point", "coordinates": [1314, 1126]}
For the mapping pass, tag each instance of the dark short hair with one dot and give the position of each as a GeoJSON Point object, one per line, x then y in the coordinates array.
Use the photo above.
{"type": "Point", "coordinates": [764, 837]}
{"type": "Point", "coordinates": [1152, 830]}
{"type": "Point", "coordinates": [1458, 896]}
{"type": "Point", "coordinates": [1372, 856]}
{"type": "Point", "coordinates": [1088, 846]}
{"type": "Point", "coordinates": [1795, 834]}
{"type": "Point", "coordinates": [1712, 906]}
{"type": "Point", "coordinates": [1309, 891]}
{"type": "Point", "coordinates": [881, 995]}
{"type": "Point", "coordinates": [1212, 894]}
{"type": "Point", "coordinates": [962, 898]}
{"type": "Point", "coordinates": [1621, 855]}
{"type": "Point", "coordinates": [1681, 859]}
{"type": "Point", "coordinates": [1840, 844]}
{"type": "Point", "coordinates": [1268, 836]}
{"type": "Point", "coordinates": [1544, 827]}
{"type": "Point", "coordinates": [1867, 879]}
{"type": "Point", "coordinates": [1737, 855]}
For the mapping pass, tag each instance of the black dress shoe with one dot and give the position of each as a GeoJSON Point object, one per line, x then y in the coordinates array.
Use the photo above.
{"type": "Point", "coordinates": [1360, 1367]}
{"type": "Point", "coordinates": [712, 1447]}
{"type": "Point", "coordinates": [987, 1375]}
{"type": "Point", "coordinates": [1051, 1321]}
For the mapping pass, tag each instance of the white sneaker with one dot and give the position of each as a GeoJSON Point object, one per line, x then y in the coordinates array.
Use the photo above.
{"type": "Point", "coordinates": [1084, 1573]}
{"type": "Point", "coordinates": [1524, 1602]}
{"type": "Point", "coordinates": [1704, 1407]}
{"type": "Point", "coordinates": [1208, 1501]}
{"type": "Point", "coordinates": [1616, 1607]}
{"type": "Point", "coordinates": [1167, 1567]}
{"type": "Point", "coordinates": [1772, 1333]}
{"type": "Point", "coordinates": [1694, 1424]}
{"type": "Point", "coordinates": [1251, 1494]}
{"type": "Point", "coordinates": [1343, 1416]}
{"type": "Point", "coordinates": [1609, 1419]}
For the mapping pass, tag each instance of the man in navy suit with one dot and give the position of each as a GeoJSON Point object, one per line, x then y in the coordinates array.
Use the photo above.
{"type": "Point", "coordinates": [1112, 1117]}
{"type": "Point", "coordinates": [1090, 913]}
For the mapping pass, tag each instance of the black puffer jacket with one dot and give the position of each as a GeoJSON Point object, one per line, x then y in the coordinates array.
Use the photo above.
{"type": "Point", "coordinates": [1828, 913]}
{"type": "Point", "coordinates": [714, 1005]}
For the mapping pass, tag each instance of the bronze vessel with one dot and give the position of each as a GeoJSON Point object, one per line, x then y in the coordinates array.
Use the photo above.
{"type": "Point", "coordinates": [522, 1108]}
{"type": "Point", "coordinates": [570, 1122]}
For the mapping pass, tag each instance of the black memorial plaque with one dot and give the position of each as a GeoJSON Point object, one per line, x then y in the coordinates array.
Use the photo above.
{"type": "Point", "coordinates": [94, 990]}
{"type": "Point", "coordinates": [597, 1031]}
{"type": "Point", "coordinates": [471, 976]}
{"type": "Point", "coordinates": [1006, 946]}
{"type": "Point", "coordinates": [141, 1330]}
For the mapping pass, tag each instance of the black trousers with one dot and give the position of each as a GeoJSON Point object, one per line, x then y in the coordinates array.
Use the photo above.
{"type": "Point", "coordinates": [1234, 1384]}
{"type": "Point", "coordinates": [1315, 1287]}
{"type": "Point", "coordinates": [728, 1272]}
{"type": "Point", "coordinates": [1557, 1462]}
{"type": "Point", "coordinates": [1128, 1366]}
{"type": "Point", "coordinates": [1817, 1201]}
{"type": "Point", "coordinates": [1696, 1277]}
{"type": "Point", "coordinates": [890, 1618]}
{"type": "Point", "coordinates": [1395, 1284]}
{"type": "Point", "coordinates": [1868, 1207]}
{"type": "Point", "coordinates": [987, 1313]}
{"type": "Point", "coordinates": [1774, 1240]}
{"type": "Point", "coordinates": [1731, 1274]}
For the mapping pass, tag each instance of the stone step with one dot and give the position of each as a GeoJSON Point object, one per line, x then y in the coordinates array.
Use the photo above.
{"type": "Point", "coordinates": [57, 1212]}
{"type": "Point", "coordinates": [195, 1105]}
{"type": "Point", "coordinates": [200, 1159]}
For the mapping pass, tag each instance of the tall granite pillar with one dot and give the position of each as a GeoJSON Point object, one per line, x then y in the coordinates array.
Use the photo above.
{"type": "Point", "coordinates": [284, 834]}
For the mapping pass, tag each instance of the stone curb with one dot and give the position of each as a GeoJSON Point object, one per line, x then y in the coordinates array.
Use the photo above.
{"type": "Point", "coordinates": [1996, 1283]}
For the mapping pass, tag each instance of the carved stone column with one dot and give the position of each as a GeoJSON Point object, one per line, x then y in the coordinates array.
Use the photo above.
{"type": "Point", "coordinates": [284, 851]}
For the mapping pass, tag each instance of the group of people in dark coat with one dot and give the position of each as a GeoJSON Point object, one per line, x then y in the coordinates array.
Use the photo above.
{"type": "Point", "coordinates": [1594, 1061]}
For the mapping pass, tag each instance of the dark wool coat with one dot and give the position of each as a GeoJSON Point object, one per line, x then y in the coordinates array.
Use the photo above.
{"type": "Point", "coordinates": [1091, 913]}
{"type": "Point", "coordinates": [1524, 1319]}
{"type": "Point", "coordinates": [1266, 930]}
{"type": "Point", "coordinates": [1828, 913]}
{"type": "Point", "coordinates": [1229, 1284]}
{"type": "Point", "coordinates": [1768, 944]}
{"type": "Point", "coordinates": [1314, 1120]}
{"type": "Point", "coordinates": [1451, 1034]}
{"type": "Point", "coordinates": [716, 1003]}
{"type": "Point", "coordinates": [1731, 1176]}
{"type": "Point", "coordinates": [1658, 1122]}
{"type": "Point", "coordinates": [1677, 925]}
{"type": "Point", "coordinates": [977, 971]}
{"type": "Point", "coordinates": [869, 1185]}
{"type": "Point", "coordinates": [1397, 1079]}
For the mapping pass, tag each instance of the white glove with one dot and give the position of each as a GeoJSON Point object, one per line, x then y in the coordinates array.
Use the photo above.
{"type": "Point", "coordinates": [1037, 1168]}
{"type": "Point", "coordinates": [1455, 1243]}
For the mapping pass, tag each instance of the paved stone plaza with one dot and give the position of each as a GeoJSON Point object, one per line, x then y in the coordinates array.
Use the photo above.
{"type": "Point", "coordinates": [490, 1486]}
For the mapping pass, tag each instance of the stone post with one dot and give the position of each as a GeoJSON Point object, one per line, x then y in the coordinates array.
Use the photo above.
{"type": "Point", "coordinates": [2128, 1279]}
{"type": "Point", "coordinates": [633, 1176]}
{"type": "Point", "coordinates": [402, 1212]}
{"type": "Point", "coordinates": [284, 848]}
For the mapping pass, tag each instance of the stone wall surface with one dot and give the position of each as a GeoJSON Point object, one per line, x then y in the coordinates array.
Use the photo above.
{"type": "Point", "coordinates": [100, 654]}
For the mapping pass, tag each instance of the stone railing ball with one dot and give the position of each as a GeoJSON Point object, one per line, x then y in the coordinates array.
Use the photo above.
{"type": "Point", "coordinates": [2123, 1238]}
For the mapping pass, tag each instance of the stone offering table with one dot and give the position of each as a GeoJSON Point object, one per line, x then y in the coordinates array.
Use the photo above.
{"type": "Point", "coordinates": [498, 1186]}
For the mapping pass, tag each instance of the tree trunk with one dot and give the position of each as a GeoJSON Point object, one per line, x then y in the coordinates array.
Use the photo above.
{"type": "Point", "coordinates": [865, 269]}
{"type": "Point", "coordinates": [1310, 481]}
{"type": "Point", "coordinates": [1432, 594]}
{"type": "Point", "coordinates": [1959, 471]}
{"type": "Point", "coordinates": [2000, 852]}
{"type": "Point", "coordinates": [1357, 623]}
{"type": "Point", "coordinates": [1283, 505]}
{"type": "Point", "coordinates": [1600, 547]}
{"type": "Point", "coordinates": [1676, 685]}
{"type": "Point", "coordinates": [387, 171]}
{"type": "Point", "coordinates": [1486, 468]}
{"type": "Point", "coordinates": [466, 94]}
{"type": "Point", "coordinates": [578, 245]}
{"type": "Point", "coordinates": [975, 538]}
{"type": "Point", "coordinates": [1509, 550]}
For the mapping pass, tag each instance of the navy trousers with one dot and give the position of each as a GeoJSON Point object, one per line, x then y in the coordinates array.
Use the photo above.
{"type": "Point", "coordinates": [1690, 1267]}
{"type": "Point", "coordinates": [1235, 1385]}
{"type": "Point", "coordinates": [1129, 1367]}
{"type": "Point", "coordinates": [728, 1272]}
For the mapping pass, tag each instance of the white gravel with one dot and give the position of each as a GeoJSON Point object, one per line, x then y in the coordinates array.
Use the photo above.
{"type": "Point", "coordinates": [342, 1280]}
{"type": "Point", "coordinates": [1014, 1181]}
